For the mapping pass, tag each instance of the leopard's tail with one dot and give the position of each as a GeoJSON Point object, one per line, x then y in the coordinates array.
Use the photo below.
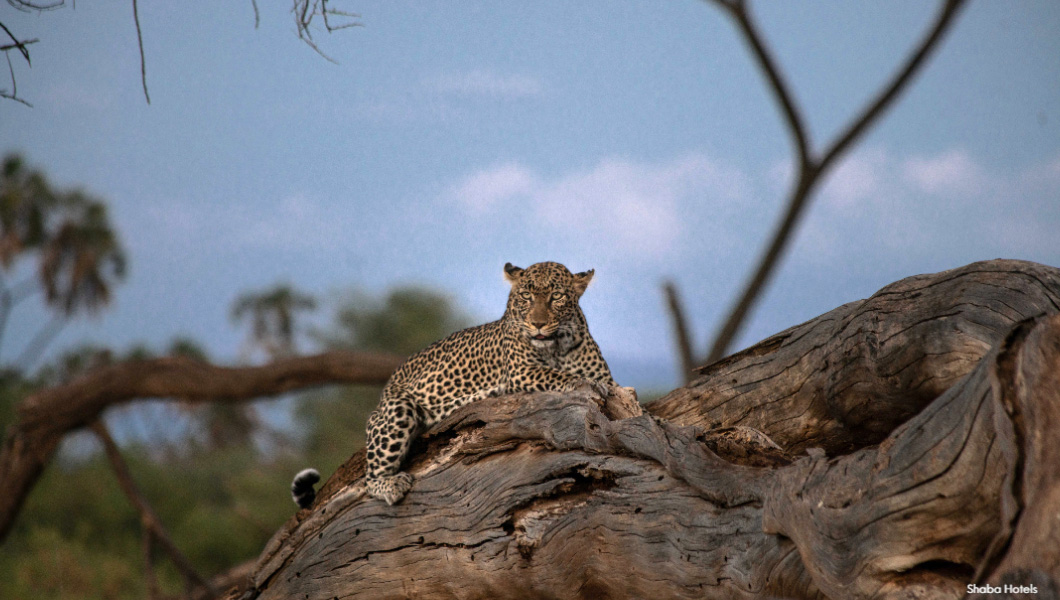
{"type": "Point", "coordinates": [302, 487]}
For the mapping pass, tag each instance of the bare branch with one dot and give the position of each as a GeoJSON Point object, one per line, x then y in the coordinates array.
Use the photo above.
{"type": "Point", "coordinates": [684, 345]}
{"type": "Point", "coordinates": [147, 546]}
{"type": "Point", "coordinates": [148, 518]}
{"type": "Point", "coordinates": [810, 169]}
{"type": "Point", "coordinates": [887, 95]}
{"type": "Point", "coordinates": [19, 44]}
{"type": "Point", "coordinates": [307, 10]}
{"type": "Point", "coordinates": [26, 6]}
{"type": "Point", "coordinates": [47, 416]}
{"type": "Point", "coordinates": [807, 179]}
{"type": "Point", "coordinates": [779, 88]}
{"type": "Point", "coordinates": [14, 85]}
{"type": "Point", "coordinates": [140, 41]}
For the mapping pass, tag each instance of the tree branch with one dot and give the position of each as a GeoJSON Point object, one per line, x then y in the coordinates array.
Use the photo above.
{"type": "Point", "coordinates": [140, 42]}
{"type": "Point", "coordinates": [684, 345]}
{"type": "Point", "coordinates": [810, 170]}
{"type": "Point", "coordinates": [19, 44]}
{"type": "Point", "coordinates": [148, 518]}
{"type": "Point", "coordinates": [779, 88]}
{"type": "Point", "coordinates": [901, 79]}
{"type": "Point", "coordinates": [823, 394]}
{"type": "Point", "coordinates": [46, 416]}
{"type": "Point", "coordinates": [147, 547]}
{"type": "Point", "coordinates": [307, 10]}
{"type": "Point", "coordinates": [27, 6]}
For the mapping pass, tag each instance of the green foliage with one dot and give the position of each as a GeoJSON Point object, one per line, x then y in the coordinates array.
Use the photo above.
{"type": "Point", "coordinates": [52, 566]}
{"type": "Point", "coordinates": [407, 320]}
{"type": "Point", "coordinates": [219, 498]}
{"type": "Point", "coordinates": [78, 536]}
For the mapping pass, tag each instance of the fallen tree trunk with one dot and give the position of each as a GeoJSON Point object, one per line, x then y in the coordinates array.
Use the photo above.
{"type": "Point", "coordinates": [915, 458]}
{"type": "Point", "coordinates": [847, 378]}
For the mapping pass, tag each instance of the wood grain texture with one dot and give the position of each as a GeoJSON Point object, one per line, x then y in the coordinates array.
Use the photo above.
{"type": "Point", "coordinates": [543, 495]}
{"type": "Point", "coordinates": [908, 449]}
{"type": "Point", "coordinates": [847, 378]}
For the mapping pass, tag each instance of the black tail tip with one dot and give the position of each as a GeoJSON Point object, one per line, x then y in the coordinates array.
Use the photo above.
{"type": "Point", "coordinates": [302, 487]}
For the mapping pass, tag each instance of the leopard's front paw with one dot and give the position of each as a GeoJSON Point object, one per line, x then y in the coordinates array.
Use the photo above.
{"type": "Point", "coordinates": [390, 488]}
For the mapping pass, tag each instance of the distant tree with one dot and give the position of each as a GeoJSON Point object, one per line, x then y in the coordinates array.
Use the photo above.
{"type": "Point", "coordinates": [272, 315]}
{"type": "Point", "coordinates": [406, 320]}
{"type": "Point", "coordinates": [25, 201]}
{"type": "Point", "coordinates": [82, 258]}
{"type": "Point", "coordinates": [69, 235]}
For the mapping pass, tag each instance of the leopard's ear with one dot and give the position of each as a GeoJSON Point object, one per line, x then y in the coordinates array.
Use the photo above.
{"type": "Point", "coordinates": [512, 273]}
{"type": "Point", "coordinates": [581, 280]}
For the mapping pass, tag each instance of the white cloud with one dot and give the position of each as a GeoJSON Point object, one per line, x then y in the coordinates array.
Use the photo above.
{"type": "Point", "coordinates": [484, 83]}
{"type": "Point", "coordinates": [928, 208]}
{"type": "Point", "coordinates": [951, 173]}
{"type": "Point", "coordinates": [294, 221]}
{"type": "Point", "coordinates": [636, 205]}
{"type": "Point", "coordinates": [482, 190]}
{"type": "Point", "coordinates": [858, 179]}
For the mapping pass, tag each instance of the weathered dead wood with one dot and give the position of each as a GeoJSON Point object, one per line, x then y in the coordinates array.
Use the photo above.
{"type": "Point", "coordinates": [846, 379]}
{"type": "Point", "coordinates": [932, 508]}
{"type": "Point", "coordinates": [45, 417]}
{"type": "Point", "coordinates": [543, 495]}
{"type": "Point", "coordinates": [556, 496]}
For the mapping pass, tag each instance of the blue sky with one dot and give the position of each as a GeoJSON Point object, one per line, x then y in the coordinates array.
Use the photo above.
{"type": "Point", "coordinates": [635, 138]}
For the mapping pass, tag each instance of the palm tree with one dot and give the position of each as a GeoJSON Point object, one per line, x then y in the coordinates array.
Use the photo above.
{"type": "Point", "coordinates": [80, 260]}
{"type": "Point", "coordinates": [81, 257]}
{"type": "Point", "coordinates": [273, 313]}
{"type": "Point", "coordinates": [25, 202]}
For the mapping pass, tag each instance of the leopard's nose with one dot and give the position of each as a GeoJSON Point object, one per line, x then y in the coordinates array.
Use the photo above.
{"type": "Point", "coordinates": [538, 324]}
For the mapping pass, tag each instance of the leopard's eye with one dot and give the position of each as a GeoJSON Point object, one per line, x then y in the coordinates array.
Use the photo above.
{"type": "Point", "coordinates": [525, 295]}
{"type": "Point", "coordinates": [558, 295]}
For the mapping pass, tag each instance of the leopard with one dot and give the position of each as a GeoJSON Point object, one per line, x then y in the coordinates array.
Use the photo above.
{"type": "Point", "coordinates": [540, 343]}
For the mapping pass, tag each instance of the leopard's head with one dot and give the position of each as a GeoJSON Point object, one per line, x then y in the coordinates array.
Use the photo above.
{"type": "Point", "coordinates": [544, 299]}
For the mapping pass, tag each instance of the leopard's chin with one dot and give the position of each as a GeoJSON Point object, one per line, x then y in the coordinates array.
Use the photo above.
{"type": "Point", "coordinates": [541, 339]}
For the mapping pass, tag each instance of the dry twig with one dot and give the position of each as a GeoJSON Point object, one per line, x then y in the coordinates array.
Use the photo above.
{"type": "Point", "coordinates": [140, 42]}
{"type": "Point", "coordinates": [306, 11]}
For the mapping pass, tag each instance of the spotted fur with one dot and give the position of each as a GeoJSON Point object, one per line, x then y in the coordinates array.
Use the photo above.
{"type": "Point", "coordinates": [541, 343]}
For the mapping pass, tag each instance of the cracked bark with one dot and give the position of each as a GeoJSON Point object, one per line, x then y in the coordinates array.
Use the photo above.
{"type": "Point", "coordinates": [913, 455]}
